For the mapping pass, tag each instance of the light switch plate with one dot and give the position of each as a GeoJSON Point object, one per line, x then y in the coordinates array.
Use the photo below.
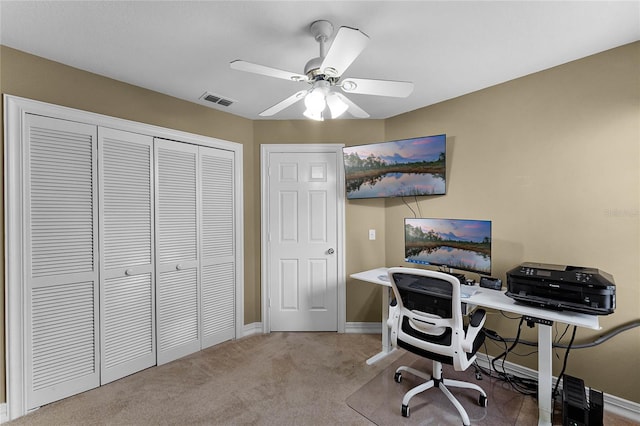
{"type": "Point", "coordinates": [372, 234]}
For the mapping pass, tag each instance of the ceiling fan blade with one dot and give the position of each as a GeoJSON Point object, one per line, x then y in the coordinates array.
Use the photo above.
{"type": "Point", "coordinates": [268, 71]}
{"type": "Point", "coordinates": [346, 46]}
{"type": "Point", "coordinates": [283, 104]}
{"type": "Point", "coordinates": [354, 109]}
{"type": "Point", "coordinates": [365, 86]}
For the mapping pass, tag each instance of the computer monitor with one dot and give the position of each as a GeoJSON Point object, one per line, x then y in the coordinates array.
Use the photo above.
{"type": "Point", "coordinates": [401, 168]}
{"type": "Point", "coordinates": [451, 243]}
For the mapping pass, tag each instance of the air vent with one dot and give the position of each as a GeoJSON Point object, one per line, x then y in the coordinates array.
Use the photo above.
{"type": "Point", "coordinates": [216, 99]}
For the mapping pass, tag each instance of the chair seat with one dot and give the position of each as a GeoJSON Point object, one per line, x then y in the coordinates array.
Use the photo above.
{"type": "Point", "coordinates": [424, 353]}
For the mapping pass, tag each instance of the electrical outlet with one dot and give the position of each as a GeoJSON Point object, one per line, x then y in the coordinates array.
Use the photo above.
{"type": "Point", "coordinates": [372, 234]}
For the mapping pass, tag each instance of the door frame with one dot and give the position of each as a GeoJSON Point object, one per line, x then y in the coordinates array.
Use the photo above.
{"type": "Point", "coordinates": [265, 151]}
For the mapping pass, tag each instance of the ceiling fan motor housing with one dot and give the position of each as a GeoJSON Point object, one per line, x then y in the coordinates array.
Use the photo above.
{"type": "Point", "coordinates": [312, 68]}
{"type": "Point", "coordinates": [321, 31]}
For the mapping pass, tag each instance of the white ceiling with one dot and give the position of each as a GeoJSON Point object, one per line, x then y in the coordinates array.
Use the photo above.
{"type": "Point", "coordinates": [447, 48]}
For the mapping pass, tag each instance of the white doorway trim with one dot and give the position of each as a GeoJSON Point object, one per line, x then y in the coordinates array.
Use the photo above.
{"type": "Point", "coordinates": [265, 151]}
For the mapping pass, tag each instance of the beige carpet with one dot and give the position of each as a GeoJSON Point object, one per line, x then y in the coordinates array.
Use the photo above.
{"type": "Point", "coordinates": [274, 379]}
{"type": "Point", "coordinates": [278, 379]}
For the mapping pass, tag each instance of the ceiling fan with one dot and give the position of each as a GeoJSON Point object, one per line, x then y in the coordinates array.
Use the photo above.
{"type": "Point", "coordinates": [324, 74]}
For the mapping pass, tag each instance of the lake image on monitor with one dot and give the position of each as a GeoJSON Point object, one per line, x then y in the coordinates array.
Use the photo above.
{"type": "Point", "coordinates": [454, 243]}
{"type": "Point", "coordinates": [408, 167]}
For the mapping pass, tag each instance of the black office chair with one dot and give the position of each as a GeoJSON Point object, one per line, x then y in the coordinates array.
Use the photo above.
{"type": "Point", "coordinates": [427, 320]}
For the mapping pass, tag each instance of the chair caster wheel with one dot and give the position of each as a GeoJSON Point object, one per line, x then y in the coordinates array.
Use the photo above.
{"type": "Point", "coordinates": [482, 401]}
{"type": "Point", "coordinates": [405, 411]}
{"type": "Point", "coordinates": [397, 377]}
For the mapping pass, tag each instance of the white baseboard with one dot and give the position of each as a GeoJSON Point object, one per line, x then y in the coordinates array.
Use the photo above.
{"type": "Point", "coordinates": [612, 403]}
{"type": "Point", "coordinates": [350, 327]}
{"type": "Point", "coordinates": [3, 413]}
{"type": "Point", "coordinates": [363, 327]}
{"type": "Point", "coordinates": [252, 329]}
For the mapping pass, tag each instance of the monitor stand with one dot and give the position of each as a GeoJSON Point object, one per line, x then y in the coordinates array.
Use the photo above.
{"type": "Point", "coordinates": [460, 277]}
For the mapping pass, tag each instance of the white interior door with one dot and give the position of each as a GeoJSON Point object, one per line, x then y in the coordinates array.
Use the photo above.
{"type": "Point", "coordinates": [127, 287]}
{"type": "Point", "coordinates": [60, 234]}
{"type": "Point", "coordinates": [302, 241]}
{"type": "Point", "coordinates": [177, 277]}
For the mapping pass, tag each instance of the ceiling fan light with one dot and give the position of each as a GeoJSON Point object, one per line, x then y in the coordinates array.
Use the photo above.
{"type": "Point", "coordinates": [336, 105]}
{"type": "Point", "coordinates": [314, 115]}
{"type": "Point", "coordinates": [315, 100]}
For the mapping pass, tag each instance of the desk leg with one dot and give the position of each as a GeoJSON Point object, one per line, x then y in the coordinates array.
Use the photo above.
{"type": "Point", "coordinates": [545, 404]}
{"type": "Point", "coordinates": [386, 331]}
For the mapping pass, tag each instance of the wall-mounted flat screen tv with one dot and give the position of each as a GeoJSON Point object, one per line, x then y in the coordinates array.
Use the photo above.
{"type": "Point", "coordinates": [407, 167]}
{"type": "Point", "coordinates": [451, 243]}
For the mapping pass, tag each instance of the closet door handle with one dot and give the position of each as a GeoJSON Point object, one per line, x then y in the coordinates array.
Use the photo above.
{"type": "Point", "coordinates": [178, 267]}
{"type": "Point", "coordinates": [128, 272]}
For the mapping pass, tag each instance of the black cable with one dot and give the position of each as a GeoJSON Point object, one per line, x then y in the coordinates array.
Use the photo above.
{"type": "Point", "coordinates": [493, 361]}
{"type": "Point", "coordinates": [566, 328]}
{"type": "Point", "coordinates": [506, 377]}
{"type": "Point", "coordinates": [524, 386]}
{"type": "Point", "coordinates": [519, 384]}
{"type": "Point", "coordinates": [486, 351]}
{"type": "Point", "coordinates": [564, 362]}
{"type": "Point", "coordinates": [415, 197]}
{"type": "Point", "coordinates": [527, 354]}
{"type": "Point", "coordinates": [530, 385]}
{"type": "Point", "coordinates": [558, 339]}
{"type": "Point", "coordinates": [515, 342]}
{"type": "Point", "coordinates": [507, 316]}
{"type": "Point", "coordinates": [407, 204]}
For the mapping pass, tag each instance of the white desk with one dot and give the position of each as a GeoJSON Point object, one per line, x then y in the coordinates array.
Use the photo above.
{"type": "Point", "coordinates": [371, 276]}
{"type": "Point", "coordinates": [498, 300]}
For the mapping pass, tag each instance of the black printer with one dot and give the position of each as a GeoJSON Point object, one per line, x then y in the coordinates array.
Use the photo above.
{"type": "Point", "coordinates": [571, 288]}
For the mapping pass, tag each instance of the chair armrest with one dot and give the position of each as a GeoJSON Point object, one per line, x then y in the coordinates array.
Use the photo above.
{"type": "Point", "coordinates": [475, 326]}
{"type": "Point", "coordinates": [393, 315]}
{"type": "Point", "coordinates": [478, 318]}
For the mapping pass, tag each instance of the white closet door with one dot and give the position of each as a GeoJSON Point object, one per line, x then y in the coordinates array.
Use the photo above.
{"type": "Point", "coordinates": [60, 259]}
{"type": "Point", "coordinates": [177, 277]}
{"type": "Point", "coordinates": [217, 242]}
{"type": "Point", "coordinates": [127, 303]}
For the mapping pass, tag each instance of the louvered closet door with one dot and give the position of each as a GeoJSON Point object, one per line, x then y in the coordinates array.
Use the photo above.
{"type": "Point", "coordinates": [177, 283]}
{"type": "Point", "coordinates": [217, 242]}
{"type": "Point", "coordinates": [60, 246]}
{"type": "Point", "coordinates": [127, 303]}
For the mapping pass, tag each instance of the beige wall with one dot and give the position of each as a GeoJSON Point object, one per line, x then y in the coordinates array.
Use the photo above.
{"type": "Point", "coordinates": [36, 78]}
{"type": "Point", "coordinates": [552, 159]}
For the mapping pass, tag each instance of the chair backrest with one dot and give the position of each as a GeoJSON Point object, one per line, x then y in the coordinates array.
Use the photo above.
{"type": "Point", "coordinates": [427, 319]}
